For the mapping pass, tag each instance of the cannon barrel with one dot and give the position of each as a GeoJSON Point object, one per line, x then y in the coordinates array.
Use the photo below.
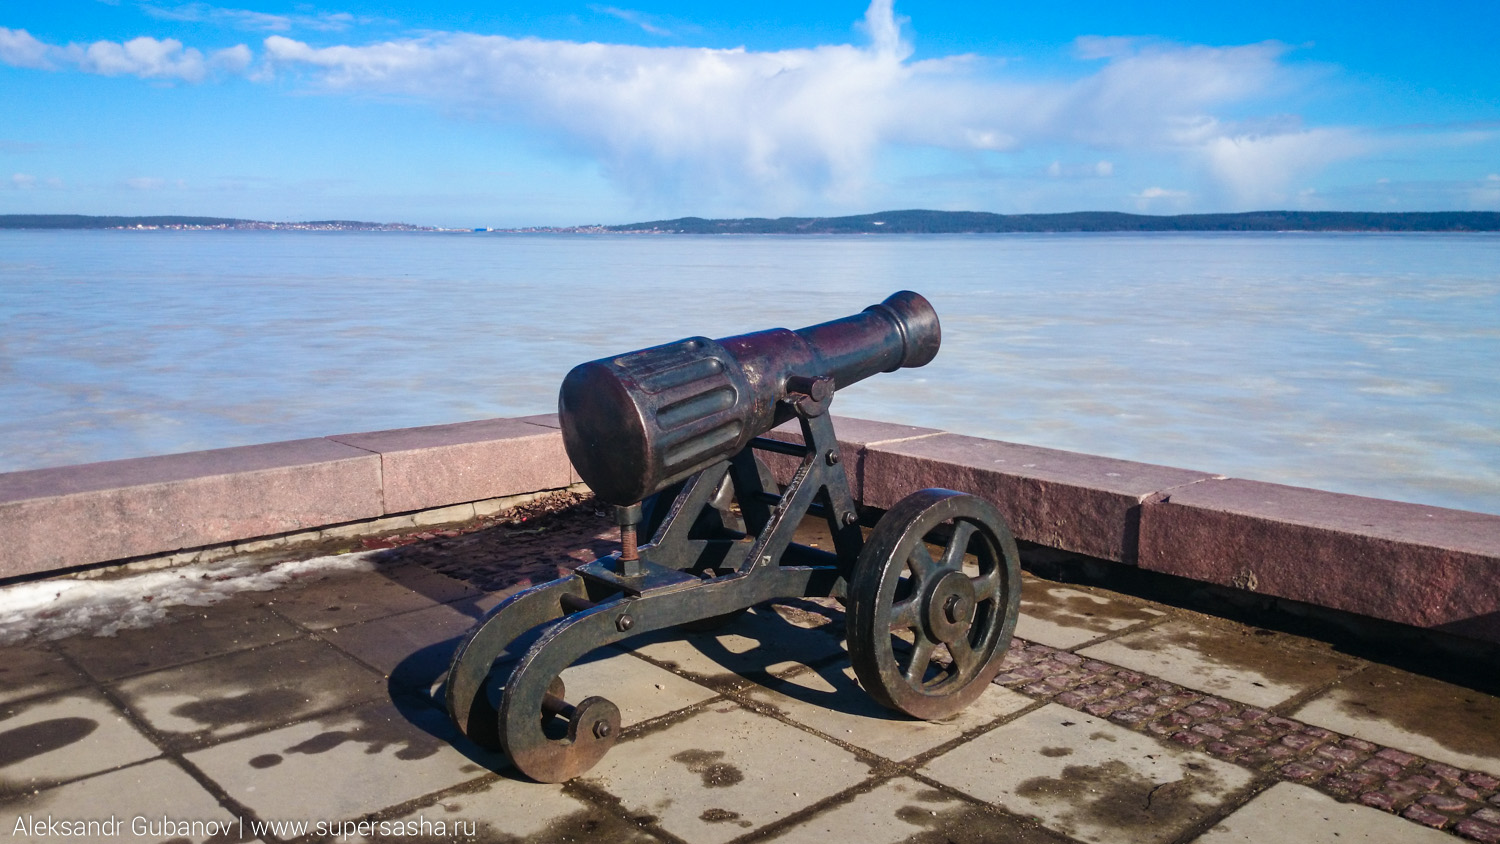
{"type": "Point", "coordinates": [635, 423]}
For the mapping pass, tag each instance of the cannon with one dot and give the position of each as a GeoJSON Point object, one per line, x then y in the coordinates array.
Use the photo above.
{"type": "Point", "coordinates": [670, 436]}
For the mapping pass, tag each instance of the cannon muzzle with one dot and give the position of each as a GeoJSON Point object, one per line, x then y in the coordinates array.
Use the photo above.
{"type": "Point", "coordinates": [635, 423]}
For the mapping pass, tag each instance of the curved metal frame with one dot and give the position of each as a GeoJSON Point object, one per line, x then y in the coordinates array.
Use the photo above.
{"type": "Point", "coordinates": [697, 566]}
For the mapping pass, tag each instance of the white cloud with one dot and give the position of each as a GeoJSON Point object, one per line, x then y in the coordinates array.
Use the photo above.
{"type": "Point", "coordinates": [145, 183]}
{"type": "Point", "coordinates": [640, 19]}
{"type": "Point", "coordinates": [23, 181]}
{"type": "Point", "coordinates": [19, 49]}
{"type": "Point", "coordinates": [146, 57]}
{"type": "Point", "coordinates": [252, 20]}
{"type": "Point", "coordinates": [1258, 170]}
{"type": "Point", "coordinates": [772, 129]}
{"type": "Point", "coordinates": [1486, 194]}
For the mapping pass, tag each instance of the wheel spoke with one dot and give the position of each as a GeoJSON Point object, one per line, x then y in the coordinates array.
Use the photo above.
{"type": "Point", "coordinates": [987, 585]}
{"type": "Point", "coordinates": [921, 655]}
{"type": "Point", "coordinates": [953, 555]}
{"type": "Point", "coordinates": [964, 657]}
{"type": "Point", "coordinates": [905, 614]}
{"type": "Point", "coordinates": [923, 567]}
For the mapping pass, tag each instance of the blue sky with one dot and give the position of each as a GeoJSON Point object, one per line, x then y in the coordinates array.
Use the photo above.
{"type": "Point", "coordinates": [511, 114]}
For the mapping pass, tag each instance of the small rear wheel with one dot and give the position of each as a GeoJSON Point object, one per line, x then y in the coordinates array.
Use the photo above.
{"type": "Point", "coordinates": [933, 603]}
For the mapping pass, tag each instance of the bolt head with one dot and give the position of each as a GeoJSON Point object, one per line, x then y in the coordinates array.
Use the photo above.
{"type": "Point", "coordinates": [850, 518]}
{"type": "Point", "coordinates": [624, 622]}
{"type": "Point", "coordinates": [602, 729]}
{"type": "Point", "coordinates": [833, 457]}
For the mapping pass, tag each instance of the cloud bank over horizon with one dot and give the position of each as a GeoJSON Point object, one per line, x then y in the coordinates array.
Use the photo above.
{"type": "Point", "coordinates": [776, 131]}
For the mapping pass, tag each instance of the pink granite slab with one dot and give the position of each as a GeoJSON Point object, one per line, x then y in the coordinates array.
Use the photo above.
{"type": "Point", "coordinates": [438, 465]}
{"type": "Point", "coordinates": [1425, 566]}
{"type": "Point", "coordinates": [95, 512]}
{"type": "Point", "coordinates": [1062, 499]}
{"type": "Point", "coordinates": [855, 435]}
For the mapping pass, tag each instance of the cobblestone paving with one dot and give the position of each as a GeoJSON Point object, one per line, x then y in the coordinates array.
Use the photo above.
{"type": "Point", "coordinates": [1423, 791]}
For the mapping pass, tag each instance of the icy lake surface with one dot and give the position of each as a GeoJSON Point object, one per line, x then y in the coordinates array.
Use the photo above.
{"type": "Point", "coordinates": [1360, 363]}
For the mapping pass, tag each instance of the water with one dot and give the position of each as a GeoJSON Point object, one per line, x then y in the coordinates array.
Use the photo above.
{"type": "Point", "coordinates": [1367, 364]}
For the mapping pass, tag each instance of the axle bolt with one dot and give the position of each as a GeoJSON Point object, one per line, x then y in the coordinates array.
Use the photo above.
{"type": "Point", "coordinates": [624, 622]}
{"type": "Point", "coordinates": [850, 518]}
{"type": "Point", "coordinates": [833, 457]}
{"type": "Point", "coordinates": [601, 729]}
{"type": "Point", "coordinates": [950, 608]}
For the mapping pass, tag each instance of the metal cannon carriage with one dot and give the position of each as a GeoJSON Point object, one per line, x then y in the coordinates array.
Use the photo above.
{"type": "Point", "coordinates": [669, 435]}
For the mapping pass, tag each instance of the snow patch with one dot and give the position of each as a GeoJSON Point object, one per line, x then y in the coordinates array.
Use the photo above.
{"type": "Point", "coordinates": [56, 609]}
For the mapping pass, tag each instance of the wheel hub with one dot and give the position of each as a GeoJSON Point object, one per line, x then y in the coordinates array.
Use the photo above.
{"type": "Point", "coordinates": [950, 606]}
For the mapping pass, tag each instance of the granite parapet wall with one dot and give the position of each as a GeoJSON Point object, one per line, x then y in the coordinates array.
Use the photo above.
{"type": "Point", "coordinates": [1427, 567]}
{"type": "Point", "coordinates": [75, 516]}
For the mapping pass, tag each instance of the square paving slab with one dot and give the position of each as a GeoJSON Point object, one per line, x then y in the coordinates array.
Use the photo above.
{"type": "Point", "coordinates": [1288, 812]}
{"type": "Point", "coordinates": [1065, 617]}
{"type": "Point", "coordinates": [508, 810]}
{"type": "Point", "coordinates": [141, 803]}
{"type": "Point", "coordinates": [1240, 663]}
{"type": "Point", "coordinates": [31, 670]}
{"type": "Point", "coordinates": [724, 772]}
{"type": "Point", "coordinates": [345, 765]}
{"type": "Point", "coordinates": [209, 701]}
{"type": "Point", "coordinates": [51, 739]}
{"type": "Point", "coordinates": [189, 634]}
{"type": "Point", "coordinates": [1088, 778]}
{"type": "Point", "coordinates": [756, 645]}
{"type": "Point", "coordinates": [1413, 713]}
{"type": "Point", "coordinates": [335, 599]}
{"type": "Point", "coordinates": [642, 691]}
{"type": "Point", "coordinates": [831, 702]}
{"type": "Point", "coordinates": [905, 811]}
{"type": "Point", "coordinates": [412, 649]}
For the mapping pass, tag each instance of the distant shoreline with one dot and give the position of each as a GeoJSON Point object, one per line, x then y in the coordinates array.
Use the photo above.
{"type": "Point", "coordinates": [178, 223]}
{"type": "Point", "coordinates": [887, 222]}
{"type": "Point", "coordinates": [979, 222]}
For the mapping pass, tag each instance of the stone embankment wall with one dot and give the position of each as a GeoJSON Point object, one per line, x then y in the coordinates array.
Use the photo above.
{"type": "Point", "coordinates": [1428, 567]}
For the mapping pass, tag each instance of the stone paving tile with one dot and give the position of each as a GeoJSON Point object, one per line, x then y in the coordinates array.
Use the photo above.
{"type": "Point", "coordinates": [31, 670]}
{"type": "Point", "coordinates": [1090, 779]}
{"type": "Point", "coordinates": [190, 633]}
{"type": "Point", "coordinates": [1065, 617]}
{"type": "Point", "coordinates": [641, 690]}
{"type": "Point", "coordinates": [73, 734]}
{"type": "Point", "coordinates": [335, 599]}
{"type": "Point", "coordinates": [345, 765]}
{"type": "Point", "coordinates": [507, 810]}
{"type": "Point", "coordinates": [135, 801]}
{"type": "Point", "coordinates": [830, 701]}
{"type": "Point", "coordinates": [1412, 713]}
{"type": "Point", "coordinates": [1286, 812]}
{"type": "Point", "coordinates": [905, 810]}
{"type": "Point", "coordinates": [412, 649]}
{"type": "Point", "coordinates": [220, 698]}
{"type": "Point", "coordinates": [1229, 661]}
{"type": "Point", "coordinates": [756, 645]}
{"type": "Point", "coordinates": [723, 772]}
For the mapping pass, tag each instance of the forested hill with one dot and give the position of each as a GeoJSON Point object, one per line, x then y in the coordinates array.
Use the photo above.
{"type": "Point", "coordinates": [976, 222]}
